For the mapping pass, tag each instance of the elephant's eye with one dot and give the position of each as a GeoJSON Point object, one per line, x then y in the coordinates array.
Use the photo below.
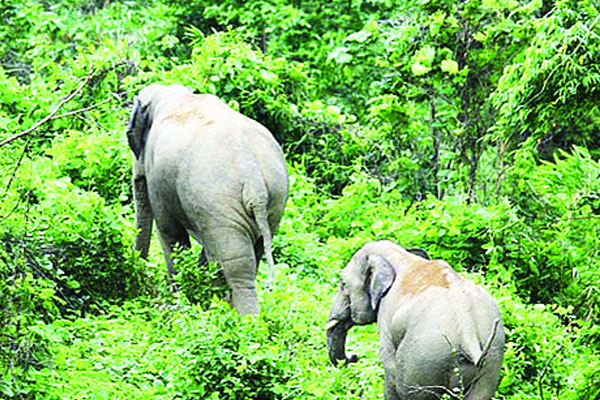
{"type": "Point", "coordinates": [343, 286]}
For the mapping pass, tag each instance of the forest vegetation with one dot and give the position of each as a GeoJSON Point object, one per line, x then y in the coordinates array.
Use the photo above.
{"type": "Point", "coordinates": [470, 129]}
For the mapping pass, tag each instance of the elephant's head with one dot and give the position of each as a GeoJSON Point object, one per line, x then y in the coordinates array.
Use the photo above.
{"type": "Point", "coordinates": [145, 107]}
{"type": "Point", "coordinates": [365, 280]}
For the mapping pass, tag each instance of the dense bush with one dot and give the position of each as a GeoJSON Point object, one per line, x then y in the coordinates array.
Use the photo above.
{"type": "Point", "coordinates": [556, 207]}
{"type": "Point", "coordinates": [95, 163]}
{"type": "Point", "coordinates": [78, 244]}
{"type": "Point", "coordinates": [89, 246]}
{"type": "Point", "coordinates": [545, 96]}
{"type": "Point", "coordinates": [541, 351]}
{"type": "Point", "coordinates": [27, 301]}
{"type": "Point", "coordinates": [224, 357]}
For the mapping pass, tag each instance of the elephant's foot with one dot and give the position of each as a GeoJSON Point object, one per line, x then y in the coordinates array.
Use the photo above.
{"type": "Point", "coordinates": [245, 301]}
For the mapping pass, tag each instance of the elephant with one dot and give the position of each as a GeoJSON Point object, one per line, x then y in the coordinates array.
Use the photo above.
{"type": "Point", "coordinates": [202, 169]}
{"type": "Point", "coordinates": [439, 333]}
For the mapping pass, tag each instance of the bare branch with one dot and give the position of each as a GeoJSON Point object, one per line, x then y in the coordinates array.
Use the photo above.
{"type": "Point", "coordinates": [52, 115]}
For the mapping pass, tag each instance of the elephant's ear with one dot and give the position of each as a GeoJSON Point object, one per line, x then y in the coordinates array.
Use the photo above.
{"type": "Point", "coordinates": [382, 277]}
{"type": "Point", "coordinates": [419, 252]}
{"type": "Point", "coordinates": [137, 129]}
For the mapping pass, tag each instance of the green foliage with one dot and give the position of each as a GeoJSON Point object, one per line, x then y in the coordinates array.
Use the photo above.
{"type": "Point", "coordinates": [542, 351]}
{"type": "Point", "coordinates": [304, 30]}
{"type": "Point", "coordinates": [26, 303]}
{"type": "Point", "coordinates": [263, 87]}
{"type": "Point", "coordinates": [94, 162]}
{"type": "Point", "coordinates": [296, 244]}
{"type": "Point", "coordinates": [80, 245]}
{"type": "Point", "coordinates": [224, 357]}
{"type": "Point", "coordinates": [554, 258]}
{"type": "Point", "coordinates": [200, 283]}
{"type": "Point", "coordinates": [89, 245]}
{"type": "Point", "coordinates": [546, 98]}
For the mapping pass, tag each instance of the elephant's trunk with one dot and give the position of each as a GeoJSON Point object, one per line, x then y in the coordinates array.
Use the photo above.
{"type": "Point", "coordinates": [336, 341]}
{"type": "Point", "coordinates": [340, 321]}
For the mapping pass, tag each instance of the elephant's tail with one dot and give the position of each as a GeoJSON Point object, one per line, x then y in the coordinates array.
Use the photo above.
{"type": "Point", "coordinates": [477, 352]}
{"type": "Point", "coordinates": [485, 381]}
{"type": "Point", "coordinates": [260, 216]}
{"type": "Point", "coordinates": [488, 345]}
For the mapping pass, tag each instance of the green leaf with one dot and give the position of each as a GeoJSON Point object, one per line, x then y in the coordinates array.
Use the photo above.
{"type": "Point", "coordinates": [426, 55]}
{"type": "Point", "coordinates": [46, 293]}
{"type": "Point", "coordinates": [450, 66]}
{"type": "Point", "coordinates": [372, 26]}
{"type": "Point", "coordinates": [419, 69]}
{"type": "Point", "coordinates": [360, 36]}
{"type": "Point", "coordinates": [340, 55]}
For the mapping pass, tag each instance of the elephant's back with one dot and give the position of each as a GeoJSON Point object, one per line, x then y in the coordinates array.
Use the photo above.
{"type": "Point", "coordinates": [463, 312]}
{"type": "Point", "coordinates": [202, 133]}
{"type": "Point", "coordinates": [240, 153]}
{"type": "Point", "coordinates": [236, 155]}
{"type": "Point", "coordinates": [217, 163]}
{"type": "Point", "coordinates": [220, 128]}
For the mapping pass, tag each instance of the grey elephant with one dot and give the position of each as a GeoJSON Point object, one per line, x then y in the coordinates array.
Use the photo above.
{"type": "Point", "coordinates": [205, 170]}
{"type": "Point", "coordinates": [439, 333]}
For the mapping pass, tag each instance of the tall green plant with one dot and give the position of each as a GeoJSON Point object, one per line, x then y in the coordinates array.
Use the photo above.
{"type": "Point", "coordinates": [546, 97]}
{"type": "Point", "coordinates": [554, 257]}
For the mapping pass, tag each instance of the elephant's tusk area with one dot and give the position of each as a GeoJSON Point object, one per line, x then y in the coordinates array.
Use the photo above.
{"type": "Point", "coordinates": [332, 323]}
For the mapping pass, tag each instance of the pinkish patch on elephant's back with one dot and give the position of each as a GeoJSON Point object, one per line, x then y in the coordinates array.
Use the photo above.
{"type": "Point", "coordinates": [187, 110]}
{"type": "Point", "coordinates": [424, 274]}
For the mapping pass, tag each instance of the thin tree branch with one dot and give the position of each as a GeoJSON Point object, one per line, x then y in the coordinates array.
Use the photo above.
{"type": "Point", "coordinates": [52, 115]}
{"type": "Point", "coordinates": [81, 110]}
{"type": "Point", "coordinates": [19, 161]}
{"type": "Point", "coordinates": [545, 370]}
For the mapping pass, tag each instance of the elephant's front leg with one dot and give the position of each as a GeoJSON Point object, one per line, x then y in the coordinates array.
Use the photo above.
{"type": "Point", "coordinates": [143, 216]}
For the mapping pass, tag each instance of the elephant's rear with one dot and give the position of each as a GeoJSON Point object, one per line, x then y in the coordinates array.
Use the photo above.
{"type": "Point", "coordinates": [230, 156]}
{"type": "Point", "coordinates": [487, 368]}
{"type": "Point", "coordinates": [453, 344]}
{"type": "Point", "coordinates": [205, 170]}
{"type": "Point", "coordinates": [243, 172]}
{"type": "Point", "coordinates": [480, 343]}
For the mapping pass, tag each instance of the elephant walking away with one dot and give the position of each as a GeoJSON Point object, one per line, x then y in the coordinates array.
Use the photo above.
{"type": "Point", "coordinates": [205, 170]}
{"type": "Point", "coordinates": [439, 333]}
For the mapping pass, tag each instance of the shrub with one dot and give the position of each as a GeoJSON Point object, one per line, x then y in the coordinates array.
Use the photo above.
{"type": "Point", "coordinates": [262, 87]}
{"type": "Point", "coordinates": [199, 283]}
{"type": "Point", "coordinates": [222, 356]}
{"type": "Point", "coordinates": [549, 246]}
{"type": "Point", "coordinates": [74, 240]}
{"type": "Point", "coordinates": [95, 162]}
{"type": "Point", "coordinates": [541, 353]}
{"type": "Point", "coordinates": [27, 301]}
{"type": "Point", "coordinates": [89, 246]}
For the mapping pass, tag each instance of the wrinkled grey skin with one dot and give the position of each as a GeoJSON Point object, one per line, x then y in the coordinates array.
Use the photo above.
{"type": "Point", "coordinates": [439, 333]}
{"type": "Point", "coordinates": [203, 169]}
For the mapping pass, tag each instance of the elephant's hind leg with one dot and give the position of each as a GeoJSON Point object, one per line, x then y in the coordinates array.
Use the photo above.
{"type": "Point", "coordinates": [235, 254]}
{"type": "Point", "coordinates": [486, 381]}
{"type": "Point", "coordinates": [240, 273]}
{"type": "Point", "coordinates": [391, 391]}
{"type": "Point", "coordinates": [169, 238]}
